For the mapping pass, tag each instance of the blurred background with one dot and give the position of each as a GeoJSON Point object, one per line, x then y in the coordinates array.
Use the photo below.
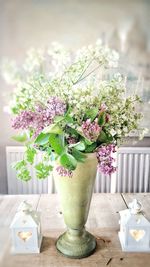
{"type": "Point", "coordinates": [122, 24]}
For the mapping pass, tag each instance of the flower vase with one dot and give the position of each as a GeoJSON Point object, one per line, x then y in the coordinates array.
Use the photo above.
{"type": "Point", "coordinates": [75, 196]}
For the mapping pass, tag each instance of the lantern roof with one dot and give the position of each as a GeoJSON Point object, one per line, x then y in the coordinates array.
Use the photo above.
{"type": "Point", "coordinates": [132, 219]}
{"type": "Point", "coordinates": [25, 217]}
{"type": "Point", "coordinates": [134, 214]}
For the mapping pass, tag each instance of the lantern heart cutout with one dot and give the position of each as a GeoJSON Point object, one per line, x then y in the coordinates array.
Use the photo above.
{"type": "Point", "coordinates": [24, 235]}
{"type": "Point", "coordinates": [137, 234]}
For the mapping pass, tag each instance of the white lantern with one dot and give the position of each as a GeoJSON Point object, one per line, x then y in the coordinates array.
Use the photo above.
{"type": "Point", "coordinates": [26, 230]}
{"type": "Point", "coordinates": [134, 232]}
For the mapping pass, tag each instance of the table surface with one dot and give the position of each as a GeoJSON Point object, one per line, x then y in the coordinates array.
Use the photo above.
{"type": "Point", "coordinates": [102, 222]}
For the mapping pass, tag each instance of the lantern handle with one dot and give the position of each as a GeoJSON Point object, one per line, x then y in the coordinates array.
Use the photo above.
{"type": "Point", "coordinates": [25, 207]}
{"type": "Point", "coordinates": [135, 206]}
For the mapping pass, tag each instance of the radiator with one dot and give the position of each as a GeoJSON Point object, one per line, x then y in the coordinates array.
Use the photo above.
{"type": "Point", "coordinates": [133, 173]}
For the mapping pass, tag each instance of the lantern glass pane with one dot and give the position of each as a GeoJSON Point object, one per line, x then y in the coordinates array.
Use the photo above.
{"type": "Point", "coordinates": [25, 235]}
{"type": "Point", "coordinates": [138, 237]}
{"type": "Point", "coordinates": [137, 234]}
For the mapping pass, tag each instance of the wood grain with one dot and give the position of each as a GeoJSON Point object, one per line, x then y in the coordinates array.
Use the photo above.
{"type": "Point", "coordinates": [108, 247]}
{"type": "Point", "coordinates": [102, 222]}
{"type": "Point", "coordinates": [104, 211]}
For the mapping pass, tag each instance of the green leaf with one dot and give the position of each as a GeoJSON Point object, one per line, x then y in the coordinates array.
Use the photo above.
{"type": "Point", "coordinates": [79, 156]}
{"type": "Point", "coordinates": [19, 164]}
{"type": "Point", "coordinates": [68, 111]}
{"type": "Point", "coordinates": [87, 141]}
{"type": "Point", "coordinates": [24, 175]}
{"type": "Point", "coordinates": [72, 131]}
{"type": "Point", "coordinates": [92, 113]}
{"type": "Point", "coordinates": [49, 150]}
{"type": "Point", "coordinates": [20, 137]}
{"type": "Point", "coordinates": [15, 110]}
{"type": "Point", "coordinates": [30, 154]}
{"type": "Point", "coordinates": [22, 171]}
{"type": "Point", "coordinates": [58, 118]}
{"type": "Point", "coordinates": [43, 170]}
{"type": "Point", "coordinates": [68, 161]}
{"type": "Point", "coordinates": [42, 139]}
{"type": "Point", "coordinates": [109, 137]}
{"type": "Point", "coordinates": [68, 119]}
{"type": "Point", "coordinates": [53, 128]}
{"type": "Point", "coordinates": [102, 119]}
{"type": "Point", "coordinates": [57, 143]}
{"type": "Point", "coordinates": [103, 138]}
{"type": "Point", "coordinates": [79, 146]}
{"type": "Point", "coordinates": [91, 148]}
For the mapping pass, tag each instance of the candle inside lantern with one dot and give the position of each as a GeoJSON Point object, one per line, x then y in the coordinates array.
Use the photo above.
{"type": "Point", "coordinates": [24, 235]}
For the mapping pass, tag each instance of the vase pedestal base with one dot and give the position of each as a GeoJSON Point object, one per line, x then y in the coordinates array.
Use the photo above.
{"type": "Point", "coordinates": [76, 244]}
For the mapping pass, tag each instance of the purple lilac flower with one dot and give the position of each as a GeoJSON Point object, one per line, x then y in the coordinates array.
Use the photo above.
{"type": "Point", "coordinates": [41, 117]}
{"type": "Point", "coordinates": [56, 106]}
{"type": "Point", "coordinates": [91, 130]}
{"type": "Point", "coordinates": [105, 159]}
{"type": "Point", "coordinates": [63, 171]}
{"type": "Point", "coordinates": [24, 120]}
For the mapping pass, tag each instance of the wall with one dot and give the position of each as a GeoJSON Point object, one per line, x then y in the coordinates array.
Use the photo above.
{"type": "Point", "coordinates": [35, 23]}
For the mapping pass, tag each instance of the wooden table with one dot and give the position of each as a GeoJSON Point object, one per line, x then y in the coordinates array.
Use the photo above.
{"type": "Point", "coordinates": [102, 222]}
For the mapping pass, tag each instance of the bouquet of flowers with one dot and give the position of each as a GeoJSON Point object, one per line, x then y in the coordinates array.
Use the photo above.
{"type": "Point", "coordinates": [65, 108]}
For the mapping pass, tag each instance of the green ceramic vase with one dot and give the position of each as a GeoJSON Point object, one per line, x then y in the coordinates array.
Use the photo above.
{"type": "Point", "coordinates": [75, 195]}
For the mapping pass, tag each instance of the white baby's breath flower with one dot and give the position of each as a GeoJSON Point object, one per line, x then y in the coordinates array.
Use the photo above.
{"type": "Point", "coordinates": [99, 42]}
{"type": "Point", "coordinates": [125, 129]}
{"type": "Point", "coordinates": [118, 77]}
{"type": "Point", "coordinates": [112, 132]}
{"type": "Point", "coordinates": [34, 59]}
{"type": "Point", "coordinates": [113, 58]}
{"type": "Point", "coordinates": [143, 133]}
{"type": "Point", "coordinates": [119, 131]}
{"type": "Point", "coordinates": [123, 117]}
{"type": "Point", "coordinates": [60, 56]}
{"type": "Point", "coordinates": [80, 83]}
{"type": "Point", "coordinates": [10, 71]}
